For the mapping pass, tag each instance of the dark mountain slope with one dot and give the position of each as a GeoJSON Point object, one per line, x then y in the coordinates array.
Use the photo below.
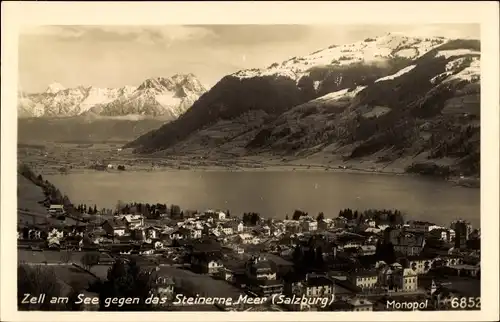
{"type": "Point", "coordinates": [228, 99]}
{"type": "Point", "coordinates": [422, 109]}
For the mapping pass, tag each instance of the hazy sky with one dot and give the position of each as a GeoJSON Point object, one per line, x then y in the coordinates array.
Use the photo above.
{"type": "Point", "coordinates": [114, 56]}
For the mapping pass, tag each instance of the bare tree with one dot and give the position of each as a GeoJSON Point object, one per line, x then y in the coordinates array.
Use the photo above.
{"type": "Point", "coordinates": [89, 260]}
{"type": "Point", "coordinates": [37, 280]}
{"type": "Point", "coordinates": [119, 205]}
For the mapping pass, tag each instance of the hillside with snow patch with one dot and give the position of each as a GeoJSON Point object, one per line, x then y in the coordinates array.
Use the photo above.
{"type": "Point", "coordinates": [391, 101]}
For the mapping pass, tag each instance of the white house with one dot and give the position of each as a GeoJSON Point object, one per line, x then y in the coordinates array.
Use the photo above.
{"type": "Point", "coordinates": [365, 279]}
{"type": "Point", "coordinates": [133, 221]}
{"type": "Point", "coordinates": [245, 238]}
{"type": "Point", "coordinates": [216, 215]}
{"type": "Point", "coordinates": [370, 223]}
{"type": "Point", "coordinates": [55, 233]}
{"type": "Point", "coordinates": [152, 232]}
{"type": "Point", "coordinates": [406, 279]}
{"type": "Point", "coordinates": [238, 227]}
{"type": "Point", "coordinates": [367, 250]}
{"type": "Point", "coordinates": [56, 210]}
{"type": "Point", "coordinates": [196, 233]}
{"type": "Point", "coordinates": [383, 227]}
{"type": "Point", "coordinates": [227, 228]}
{"type": "Point", "coordinates": [309, 225]}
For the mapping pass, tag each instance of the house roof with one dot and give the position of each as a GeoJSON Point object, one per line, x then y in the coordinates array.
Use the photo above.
{"type": "Point", "coordinates": [114, 224]}
{"type": "Point", "coordinates": [358, 301]}
{"type": "Point", "coordinates": [263, 264]}
{"type": "Point", "coordinates": [208, 256]}
{"type": "Point", "coordinates": [266, 282]}
{"type": "Point", "coordinates": [318, 281]}
{"type": "Point", "coordinates": [130, 218]}
{"type": "Point", "coordinates": [340, 305]}
{"type": "Point", "coordinates": [343, 286]}
{"type": "Point", "coordinates": [364, 273]}
{"type": "Point", "coordinates": [417, 222]}
{"type": "Point", "coordinates": [421, 257]}
{"type": "Point", "coordinates": [408, 239]}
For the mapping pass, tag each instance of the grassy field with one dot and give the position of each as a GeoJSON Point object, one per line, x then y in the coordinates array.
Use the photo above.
{"type": "Point", "coordinates": [200, 284]}
{"type": "Point", "coordinates": [73, 276]}
{"type": "Point", "coordinates": [48, 256]}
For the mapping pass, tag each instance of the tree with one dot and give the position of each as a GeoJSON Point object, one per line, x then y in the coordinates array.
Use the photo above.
{"type": "Point", "coordinates": [89, 260]}
{"type": "Point", "coordinates": [286, 217]}
{"type": "Point", "coordinates": [127, 280]}
{"type": "Point", "coordinates": [119, 206]}
{"type": "Point", "coordinates": [255, 218]}
{"type": "Point", "coordinates": [319, 260]}
{"type": "Point", "coordinates": [175, 211]}
{"type": "Point", "coordinates": [37, 280]}
{"type": "Point", "coordinates": [321, 216]}
{"type": "Point", "coordinates": [297, 255]}
{"type": "Point", "coordinates": [297, 214]}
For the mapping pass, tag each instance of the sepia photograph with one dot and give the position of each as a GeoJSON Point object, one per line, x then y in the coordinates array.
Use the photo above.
{"type": "Point", "coordinates": [296, 167]}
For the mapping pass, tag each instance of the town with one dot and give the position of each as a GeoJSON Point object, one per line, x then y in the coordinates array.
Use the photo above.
{"type": "Point", "coordinates": [364, 260]}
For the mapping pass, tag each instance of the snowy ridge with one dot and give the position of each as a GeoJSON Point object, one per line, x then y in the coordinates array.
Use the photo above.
{"type": "Point", "coordinates": [157, 96]}
{"type": "Point", "coordinates": [466, 68]}
{"type": "Point", "coordinates": [368, 51]}
{"type": "Point", "coordinates": [342, 94]}
{"type": "Point", "coordinates": [471, 73]}
{"type": "Point", "coordinates": [154, 97]}
{"type": "Point", "coordinates": [399, 73]}
{"type": "Point", "coordinates": [456, 52]}
{"type": "Point", "coordinates": [54, 88]}
{"type": "Point", "coordinates": [103, 96]}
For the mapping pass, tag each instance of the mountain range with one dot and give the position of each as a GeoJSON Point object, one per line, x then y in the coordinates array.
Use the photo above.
{"type": "Point", "coordinates": [167, 97]}
{"type": "Point", "coordinates": [393, 100]}
{"type": "Point", "coordinates": [91, 113]}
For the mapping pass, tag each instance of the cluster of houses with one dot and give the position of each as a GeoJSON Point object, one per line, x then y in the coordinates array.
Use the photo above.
{"type": "Point", "coordinates": [260, 259]}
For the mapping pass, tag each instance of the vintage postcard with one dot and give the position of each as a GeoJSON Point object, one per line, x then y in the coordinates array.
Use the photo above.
{"type": "Point", "coordinates": [242, 159]}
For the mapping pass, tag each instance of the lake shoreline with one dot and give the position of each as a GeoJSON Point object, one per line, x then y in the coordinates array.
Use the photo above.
{"type": "Point", "coordinates": [467, 182]}
{"type": "Point", "coordinates": [273, 192]}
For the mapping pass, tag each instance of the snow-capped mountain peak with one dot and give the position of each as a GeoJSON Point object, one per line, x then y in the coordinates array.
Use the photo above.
{"type": "Point", "coordinates": [367, 51]}
{"type": "Point", "coordinates": [154, 97]}
{"type": "Point", "coordinates": [54, 88]}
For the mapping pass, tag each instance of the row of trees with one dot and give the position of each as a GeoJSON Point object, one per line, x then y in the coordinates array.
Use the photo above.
{"type": "Point", "coordinates": [251, 218]}
{"type": "Point", "coordinates": [53, 195]}
{"type": "Point", "coordinates": [297, 214]}
{"type": "Point", "coordinates": [150, 211]}
{"type": "Point", "coordinates": [84, 209]}
{"type": "Point", "coordinates": [381, 216]}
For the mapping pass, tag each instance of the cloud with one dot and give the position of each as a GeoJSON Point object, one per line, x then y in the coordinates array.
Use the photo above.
{"type": "Point", "coordinates": [141, 34]}
{"type": "Point", "coordinates": [444, 30]}
{"type": "Point", "coordinates": [51, 31]}
{"type": "Point", "coordinates": [258, 34]}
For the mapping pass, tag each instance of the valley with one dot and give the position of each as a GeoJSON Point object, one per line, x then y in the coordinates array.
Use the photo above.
{"type": "Point", "coordinates": [390, 104]}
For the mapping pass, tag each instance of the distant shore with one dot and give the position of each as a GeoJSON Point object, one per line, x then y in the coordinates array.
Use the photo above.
{"type": "Point", "coordinates": [58, 160]}
{"type": "Point", "coordinates": [465, 182]}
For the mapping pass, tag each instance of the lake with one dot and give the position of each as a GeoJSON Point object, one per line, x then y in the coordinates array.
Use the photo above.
{"type": "Point", "coordinates": [275, 194]}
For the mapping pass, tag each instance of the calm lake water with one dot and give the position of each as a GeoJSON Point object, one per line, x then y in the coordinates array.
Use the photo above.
{"type": "Point", "coordinates": [275, 194]}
